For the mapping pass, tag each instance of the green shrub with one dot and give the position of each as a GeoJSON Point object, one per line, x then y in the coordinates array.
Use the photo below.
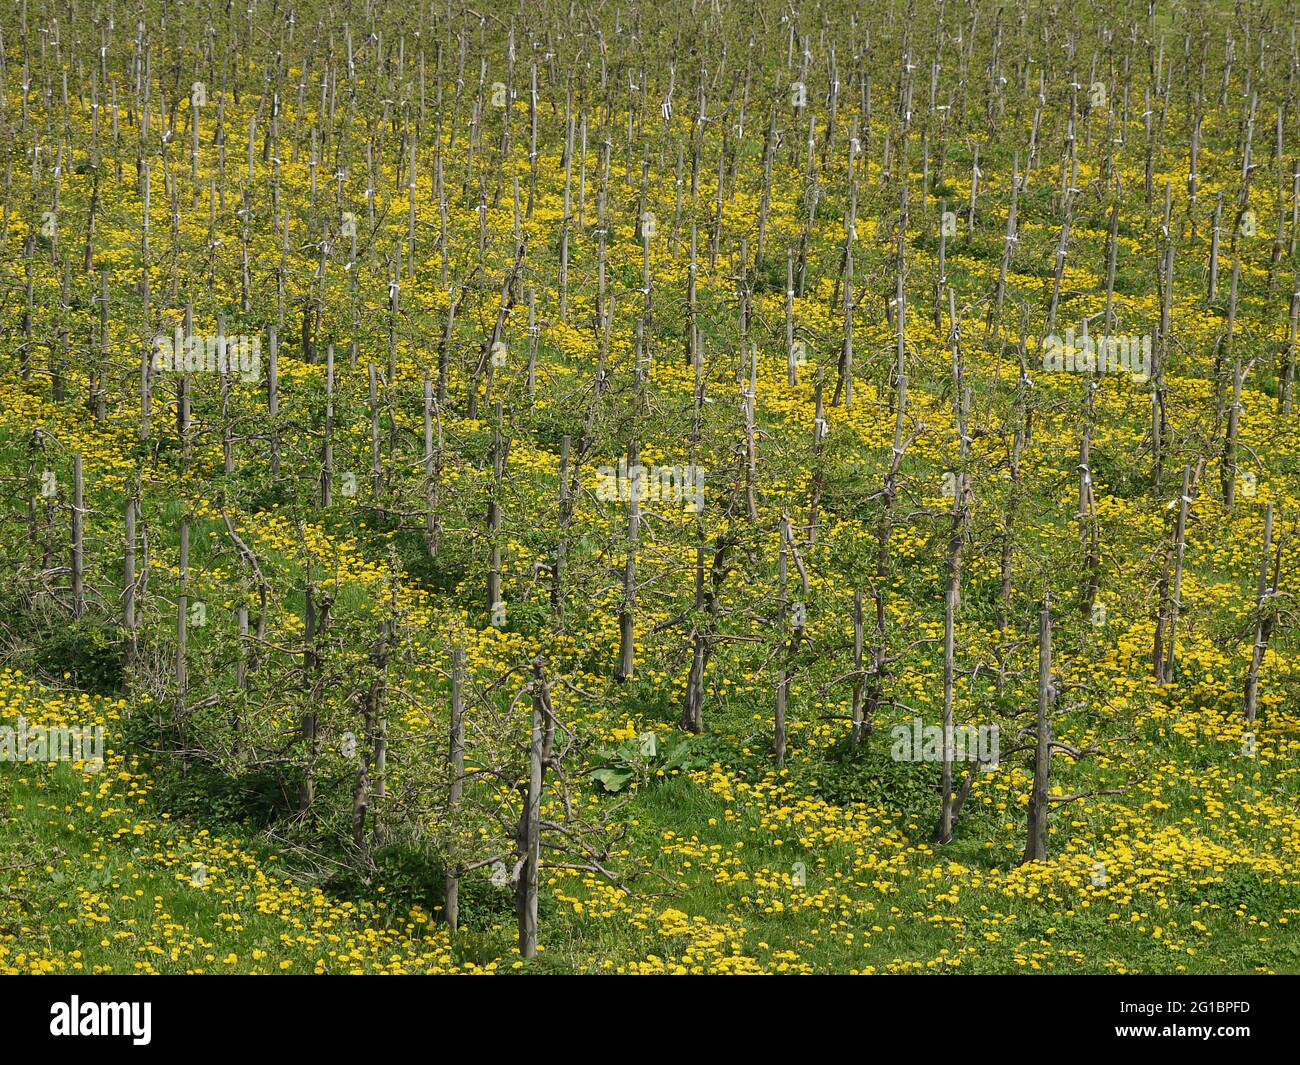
{"type": "Point", "coordinates": [88, 654]}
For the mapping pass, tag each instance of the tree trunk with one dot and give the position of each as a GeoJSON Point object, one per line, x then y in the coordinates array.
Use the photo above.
{"type": "Point", "coordinates": [1036, 828]}
{"type": "Point", "coordinates": [455, 785]}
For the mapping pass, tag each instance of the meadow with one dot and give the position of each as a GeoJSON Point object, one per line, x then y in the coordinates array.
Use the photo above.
{"type": "Point", "coordinates": [676, 488]}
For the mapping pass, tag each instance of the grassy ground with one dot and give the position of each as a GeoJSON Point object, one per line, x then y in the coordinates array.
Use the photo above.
{"type": "Point", "coordinates": [1175, 843]}
{"type": "Point", "coordinates": [99, 879]}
